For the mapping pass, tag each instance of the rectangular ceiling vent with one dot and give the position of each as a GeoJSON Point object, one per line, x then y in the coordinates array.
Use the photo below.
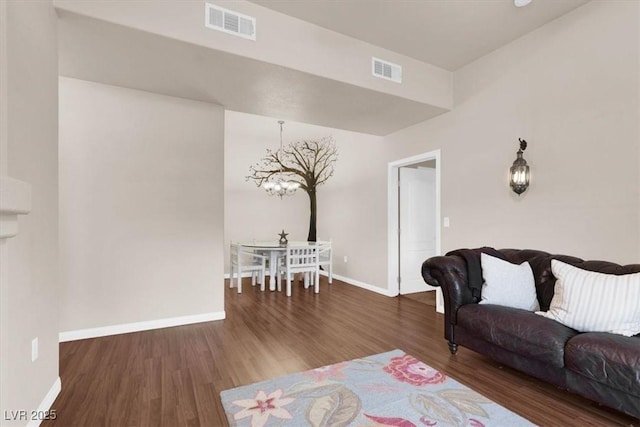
{"type": "Point", "coordinates": [386, 70]}
{"type": "Point", "coordinates": [230, 22]}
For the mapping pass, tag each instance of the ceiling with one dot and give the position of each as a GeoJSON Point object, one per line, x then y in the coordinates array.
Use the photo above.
{"type": "Point", "coordinates": [445, 33]}
{"type": "Point", "coordinates": [449, 33]}
{"type": "Point", "coordinates": [95, 50]}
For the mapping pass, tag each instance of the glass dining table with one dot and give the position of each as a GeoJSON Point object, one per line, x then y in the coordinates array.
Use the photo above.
{"type": "Point", "coordinates": [274, 249]}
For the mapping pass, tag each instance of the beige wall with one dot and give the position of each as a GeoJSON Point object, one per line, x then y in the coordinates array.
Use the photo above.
{"type": "Point", "coordinates": [346, 204]}
{"type": "Point", "coordinates": [353, 211]}
{"type": "Point", "coordinates": [571, 89]}
{"type": "Point", "coordinates": [29, 261]}
{"type": "Point", "coordinates": [250, 213]}
{"type": "Point", "coordinates": [141, 206]}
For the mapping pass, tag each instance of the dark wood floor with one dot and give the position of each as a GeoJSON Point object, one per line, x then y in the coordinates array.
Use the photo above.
{"type": "Point", "coordinates": [428, 298]}
{"type": "Point", "coordinates": [172, 377]}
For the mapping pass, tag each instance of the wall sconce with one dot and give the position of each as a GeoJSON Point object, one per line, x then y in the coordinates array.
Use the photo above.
{"type": "Point", "coordinates": [519, 172]}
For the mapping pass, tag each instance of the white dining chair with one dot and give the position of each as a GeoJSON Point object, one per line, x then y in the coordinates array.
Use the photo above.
{"type": "Point", "coordinates": [245, 260]}
{"type": "Point", "coordinates": [300, 259]}
{"type": "Point", "coordinates": [326, 258]}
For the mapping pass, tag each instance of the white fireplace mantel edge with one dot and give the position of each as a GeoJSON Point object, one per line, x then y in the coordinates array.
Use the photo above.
{"type": "Point", "coordinates": [15, 199]}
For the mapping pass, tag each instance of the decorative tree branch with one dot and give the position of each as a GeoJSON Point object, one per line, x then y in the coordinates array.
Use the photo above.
{"type": "Point", "coordinates": [307, 162]}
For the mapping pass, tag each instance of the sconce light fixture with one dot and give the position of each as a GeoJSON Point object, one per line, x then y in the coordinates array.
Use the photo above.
{"type": "Point", "coordinates": [519, 172]}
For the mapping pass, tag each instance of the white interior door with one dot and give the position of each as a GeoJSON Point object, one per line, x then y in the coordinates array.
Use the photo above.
{"type": "Point", "coordinates": [417, 234]}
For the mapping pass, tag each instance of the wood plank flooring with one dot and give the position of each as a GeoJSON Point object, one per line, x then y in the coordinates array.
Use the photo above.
{"type": "Point", "coordinates": [172, 377]}
{"type": "Point", "coordinates": [428, 297]}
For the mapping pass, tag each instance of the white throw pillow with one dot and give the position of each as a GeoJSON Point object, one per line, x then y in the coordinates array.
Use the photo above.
{"type": "Point", "coordinates": [507, 284]}
{"type": "Point", "coordinates": [588, 301]}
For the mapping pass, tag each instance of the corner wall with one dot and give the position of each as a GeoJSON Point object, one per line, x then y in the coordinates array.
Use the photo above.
{"type": "Point", "coordinates": [571, 90]}
{"type": "Point", "coordinates": [141, 209]}
{"type": "Point", "coordinates": [29, 261]}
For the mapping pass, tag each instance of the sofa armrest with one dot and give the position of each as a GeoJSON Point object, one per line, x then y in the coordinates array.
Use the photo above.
{"type": "Point", "coordinates": [450, 274]}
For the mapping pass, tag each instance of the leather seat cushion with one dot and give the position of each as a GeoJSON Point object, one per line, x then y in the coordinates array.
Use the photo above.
{"type": "Point", "coordinates": [609, 359]}
{"type": "Point", "coordinates": [519, 331]}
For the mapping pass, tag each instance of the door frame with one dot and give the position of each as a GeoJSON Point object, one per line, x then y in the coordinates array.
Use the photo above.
{"type": "Point", "coordinates": [393, 218]}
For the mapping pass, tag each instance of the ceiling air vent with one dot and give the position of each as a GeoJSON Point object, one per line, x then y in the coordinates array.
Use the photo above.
{"type": "Point", "coordinates": [230, 22]}
{"type": "Point", "coordinates": [386, 70]}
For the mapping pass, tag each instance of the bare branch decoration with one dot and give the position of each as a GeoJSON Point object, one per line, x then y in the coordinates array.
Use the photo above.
{"type": "Point", "coordinates": [310, 163]}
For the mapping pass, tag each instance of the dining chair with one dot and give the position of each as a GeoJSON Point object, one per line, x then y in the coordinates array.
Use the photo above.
{"type": "Point", "coordinates": [326, 258]}
{"type": "Point", "coordinates": [325, 255]}
{"type": "Point", "coordinates": [300, 259]}
{"type": "Point", "coordinates": [245, 260]}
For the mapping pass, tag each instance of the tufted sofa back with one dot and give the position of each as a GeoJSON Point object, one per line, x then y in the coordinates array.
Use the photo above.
{"type": "Point", "coordinates": [541, 265]}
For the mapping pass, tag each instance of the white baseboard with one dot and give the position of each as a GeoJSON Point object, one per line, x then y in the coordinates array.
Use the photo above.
{"type": "Point", "coordinates": [139, 326]}
{"type": "Point", "coordinates": [46, 403]}
{"type": "Point", "coordinates": [363, 285]}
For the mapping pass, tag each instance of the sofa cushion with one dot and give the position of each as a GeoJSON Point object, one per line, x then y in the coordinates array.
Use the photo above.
{"type": "Point", "coordinates": [609, 359]}
{"type": "Point", "coordinates": [510, 285]}
{"type": "Point", "coordinates": [541, 265]}
{"type": "Point", "coordinates": [588, 301]}
{"type": "Point", "coordinates": [519, 331]}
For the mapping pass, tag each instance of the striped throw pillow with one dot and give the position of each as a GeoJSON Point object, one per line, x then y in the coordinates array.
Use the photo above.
{"type": "Point", "coordinates": [588, 301]}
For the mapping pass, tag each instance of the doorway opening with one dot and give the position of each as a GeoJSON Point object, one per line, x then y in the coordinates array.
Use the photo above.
{"type": "Point", "coordinates": [413, 222]}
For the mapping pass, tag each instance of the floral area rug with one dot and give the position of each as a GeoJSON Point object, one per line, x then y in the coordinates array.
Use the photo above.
{"type": "Point", "coordinates": [388, 389]}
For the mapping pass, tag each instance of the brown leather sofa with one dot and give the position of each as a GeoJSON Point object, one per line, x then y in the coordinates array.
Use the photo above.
{"type": "Point", "coordinates": [600, 366]}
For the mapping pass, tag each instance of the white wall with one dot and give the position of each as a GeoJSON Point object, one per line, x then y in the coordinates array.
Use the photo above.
{"type": "Point", "coordinates": [347, 204]}
{"type": "Point", "coordinates": [571, 89]}
{"type": "Point", "coordinates": [141, 206]}
{"type": "Point", "coordinates": [29, 261]}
